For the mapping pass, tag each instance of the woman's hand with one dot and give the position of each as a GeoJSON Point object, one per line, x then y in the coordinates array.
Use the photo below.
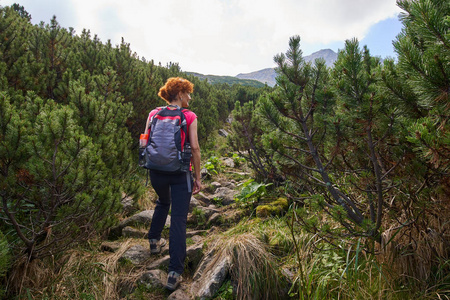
{"type": "Point", "coordinates": [197, 187]}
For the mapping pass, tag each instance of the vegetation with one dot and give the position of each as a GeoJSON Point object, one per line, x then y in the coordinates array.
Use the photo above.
{"type": "Point", "coordinates": [71, 111]}
{"type": "Point", "coordinates": [214, 79]}
{"type": "Point", "coordinates": [348, 196]}
{"type": "Point", "coordinates": [363, 147]}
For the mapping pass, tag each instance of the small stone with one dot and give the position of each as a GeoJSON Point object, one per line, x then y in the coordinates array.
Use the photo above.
{"type": "Point", "coordinates": [110, 246]}
{"type": "Point", "coordinates": [197, 239]}
{"type": "Point", "coordinates": [223, 132]}
{"type": "Point", "coordinates": [179, 294]}
{"type": "Point", "coordinates": [195, 232]}
{"type": "Point", "coordinates": [216, 184]}
{"type": "Point", "coordinates": [137, 254]}
{"type": "Point", "coordinates": [229, 162]}
{"type": "Point", "coordinates": [134, 233]}
{"type": "Point", "coordinates": [128, 205]}
{"type": "Point", "coordinates": [162, 262]}
{"type": "Point", "coordinates": [153, 278]}
{"type": "Point", "coordinates": [215, 219]}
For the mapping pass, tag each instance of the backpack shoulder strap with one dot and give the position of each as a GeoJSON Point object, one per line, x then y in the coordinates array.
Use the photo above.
{"type": "Point", "coordinates": [149, 120]}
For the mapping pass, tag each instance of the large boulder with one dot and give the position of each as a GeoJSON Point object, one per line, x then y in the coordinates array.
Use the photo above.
{"type": "Point", "coordinates": [210, 275]}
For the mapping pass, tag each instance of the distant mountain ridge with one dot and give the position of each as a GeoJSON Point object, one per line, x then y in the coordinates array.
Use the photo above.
{"type": "Point", "coordinates": [230, 80]}
{"type": "Point", "coordinates": [268, 75]}
{"type": "Point", "coordinates": [265, 76]}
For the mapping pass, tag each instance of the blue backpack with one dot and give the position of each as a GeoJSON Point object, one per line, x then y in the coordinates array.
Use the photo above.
{"type": "Point", "coordinates": [168, 149]}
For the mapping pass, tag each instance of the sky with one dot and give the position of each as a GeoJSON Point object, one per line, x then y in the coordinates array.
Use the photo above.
{"type": "Point", "coordinates": [225, 37]}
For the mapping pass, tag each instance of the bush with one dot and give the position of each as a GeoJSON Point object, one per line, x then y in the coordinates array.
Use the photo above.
{"type": "Point", "coordinates": [5, 260]}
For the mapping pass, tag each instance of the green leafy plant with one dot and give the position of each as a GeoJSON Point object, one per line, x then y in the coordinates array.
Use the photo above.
{"type": "Point", "coordinates": [225, 292]}
{"type": "Point", "coordinates": [199, 216]}
{"type": "Point", "coordinates": [212, 166]}
{"type": "Point", "coordinates": [217, 201]}
{"type": "Point", "coordinates": [238, 160]}
{"type": "Point", "coordinates": [251, 193]}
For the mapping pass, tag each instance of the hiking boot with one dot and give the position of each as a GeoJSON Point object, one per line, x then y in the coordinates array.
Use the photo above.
{"type": "Point", "coordinates": [173, 280]}
{"type": "Point", "coordinates": [156, 245]}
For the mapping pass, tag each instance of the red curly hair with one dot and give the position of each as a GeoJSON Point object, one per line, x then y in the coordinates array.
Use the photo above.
{"type": "Point", "coordinates": [173, 86]}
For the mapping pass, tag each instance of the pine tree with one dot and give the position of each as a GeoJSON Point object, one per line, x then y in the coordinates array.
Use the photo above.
{"type": "Point", "coordinates": [14, 31]}
{"type": "Point", "coordinates": [246, 139]}
{"type": "Point", "coordinates": [315, 132]}
{"type": "Point", "coordinates": [423, 48]}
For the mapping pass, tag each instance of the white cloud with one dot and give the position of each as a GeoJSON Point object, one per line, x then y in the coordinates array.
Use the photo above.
{"type": "Point", "coordinates": [223, 37]}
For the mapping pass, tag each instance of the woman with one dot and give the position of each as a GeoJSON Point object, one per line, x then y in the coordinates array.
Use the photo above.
{"type": "Point", "coordinates": [175, 189]}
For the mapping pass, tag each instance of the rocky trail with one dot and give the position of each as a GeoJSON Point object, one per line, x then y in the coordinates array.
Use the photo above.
{"type": "Point", "coordinates": [211, 212]}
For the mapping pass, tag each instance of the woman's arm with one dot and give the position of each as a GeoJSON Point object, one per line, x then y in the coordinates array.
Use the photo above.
{"type": "Point", "coordinates": [196, 156]}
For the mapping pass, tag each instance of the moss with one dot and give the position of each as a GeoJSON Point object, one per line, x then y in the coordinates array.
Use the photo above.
{"type": "Point", "coordinates": [263, 211]}
{"type": "Point", "coordinates": [274, 208]}
{"type": "Point", "coordinates": [282, 202]}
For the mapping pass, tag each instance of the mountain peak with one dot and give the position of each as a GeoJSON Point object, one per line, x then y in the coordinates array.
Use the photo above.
{"type": "Point", "coordinates": [268, 75]}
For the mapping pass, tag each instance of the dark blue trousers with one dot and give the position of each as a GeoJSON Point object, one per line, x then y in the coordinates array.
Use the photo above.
{"type": "Point", "coordinates": [175, 190]}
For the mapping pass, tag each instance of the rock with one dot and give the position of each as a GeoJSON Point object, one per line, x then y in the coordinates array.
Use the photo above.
{"type": "Point", "coordinates": [212, 277]}
{"type": "Point", "coordinates": [162, 262]}
{"type": "Point", "coordinates": [226, 195]}
{"type": "Point", "coordinates": [201, 216]}
{"type": "Point", "coordinates": [134, 233]}
{"type": "Point", "coordinates": [143, 218]}
{"type": "Point", "coordinates": [128, 205]}
{"type": "Point", "coordinates": [201, 196]}
{"type": "Point", "coordinates": [204, 173]}
{"type": "Point", "coordinates": [215, 219]}
{"type": "Point", "coordinates": [179, 294]}
{"type": "Point", "coordinates": [229, 162]}
{"type": "Point", "coordinates": [197, 239]}
{"type": "Point", "coordinates": [223, 132]}
{"type": "Point", "coordinates": [233, 216]}
{"type": "Point", "coordinates": [216, 184]}
{"type": "Point", "coordinates": [203, 264]}
{"type": "Point", "coordinates": [153, 279]}
{"type": "Point", "coordinates": [137, 254]}
{"type": "Point", "coordinates": [230, 185]}
{"type": "Point", "coordinates": [195, 232]}
{"type": "Point", "coordinates": [193, 256]}
{"type": "Point", "coordinates": [110, 246]}
{"type": "Point", "coordinates": [194, 203]}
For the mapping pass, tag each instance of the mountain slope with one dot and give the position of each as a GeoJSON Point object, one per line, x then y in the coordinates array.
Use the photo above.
{"type": "Point", "coordinates": [268, 75]}
{"type": "Point", "coordinates": [230, 80]}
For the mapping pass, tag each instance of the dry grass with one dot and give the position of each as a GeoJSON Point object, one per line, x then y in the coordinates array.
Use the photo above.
{"type": "Point", "coordinates": [76, 275]}
{"type": "Point", "coordinates": [253, 268]}
{"type": "Point", "coordinates": [148, 200]}
{"type": "Point", "coordinates": [417, 254]}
